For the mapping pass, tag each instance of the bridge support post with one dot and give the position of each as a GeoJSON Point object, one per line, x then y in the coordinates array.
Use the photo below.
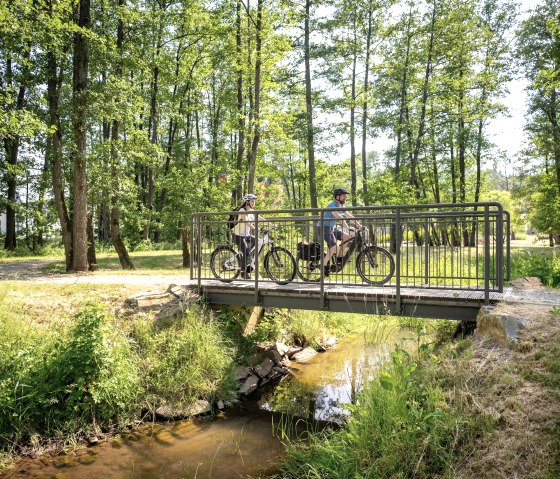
{"type": "Point", "coordinates": [256, 315]}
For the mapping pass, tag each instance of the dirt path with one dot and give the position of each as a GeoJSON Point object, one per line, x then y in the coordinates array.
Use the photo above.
{"type": "Point", "coordinates": [33, 271]}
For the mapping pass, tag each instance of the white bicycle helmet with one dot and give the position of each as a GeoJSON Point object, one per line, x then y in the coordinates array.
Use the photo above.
{"type": "Point", "coordinates": [249, 196]}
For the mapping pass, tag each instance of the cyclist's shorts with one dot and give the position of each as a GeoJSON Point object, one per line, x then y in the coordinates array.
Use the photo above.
{"type": "Point", "coordinates": [331, 235]}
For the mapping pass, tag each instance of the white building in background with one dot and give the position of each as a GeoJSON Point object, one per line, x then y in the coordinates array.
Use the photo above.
{"type": "Point", "coordinates": [2, 223]}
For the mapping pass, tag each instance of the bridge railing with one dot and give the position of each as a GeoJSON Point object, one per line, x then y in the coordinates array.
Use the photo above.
{"type": "Point", "coordinates": [450, 246]}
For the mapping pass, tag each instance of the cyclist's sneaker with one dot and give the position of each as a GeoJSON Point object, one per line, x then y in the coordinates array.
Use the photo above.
{"type": "Point", "coordinates": [326, 270]}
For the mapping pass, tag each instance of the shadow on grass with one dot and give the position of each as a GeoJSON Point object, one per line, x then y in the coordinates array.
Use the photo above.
{"type": "Point", "coordinates": [171, 262]}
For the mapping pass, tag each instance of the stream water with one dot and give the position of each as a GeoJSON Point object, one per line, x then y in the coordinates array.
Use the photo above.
{"type": "Point", "coordinates": [245, 440]}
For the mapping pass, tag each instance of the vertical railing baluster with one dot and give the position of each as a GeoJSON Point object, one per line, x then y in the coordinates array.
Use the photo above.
{"type": "Point", "coordinates": [426, 250]}
{"type": "Point", "coordinates": [500, 250]}
{"type": "Point", "coordinates": [257, 299]}
{"type": "Point", "coordinates": [199, 255]}
{"type": "Point", "coordinates": [398, 258]}
{"type": "Point", "coordinates": [486, 255]}
{"type": "Point", "coordinates": [322, 248]}
{"type": "Point", "coordinates": [508, 246]}
{"type": "Point", "coordinates": [191, 265]}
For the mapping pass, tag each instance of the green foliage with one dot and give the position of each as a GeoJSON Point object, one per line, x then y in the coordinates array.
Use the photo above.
{"type": "Point", "coordinates": [96, 372]}
{"type": "Point", "coordinates": [185, 359]}
{"type": "Point", "coordinates": [544, 212]}
{"type": "Point", "coordinates": [545, 266]}
{"type": "Point", "coordinates": [401, 426]}
{"type": "Point", "coordinates": [65, 380]}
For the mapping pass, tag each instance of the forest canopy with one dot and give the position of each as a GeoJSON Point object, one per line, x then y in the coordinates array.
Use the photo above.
{"type": "Point", "coordinates": [119, 118]}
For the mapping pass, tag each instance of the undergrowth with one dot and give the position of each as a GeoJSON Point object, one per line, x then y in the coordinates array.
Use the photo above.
{"type": "Point", "coordinates": [97, 372]}
{"type": "Point", "coordinates": [545, 266]}
{"type": "Point", "coordinates": [411, 421]}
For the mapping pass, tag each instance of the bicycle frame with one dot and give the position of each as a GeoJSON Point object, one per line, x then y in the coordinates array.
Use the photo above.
{"type": "Point", "coordinates": [354, 241]}
{"type": "Point", "coordinates": [264, 240]}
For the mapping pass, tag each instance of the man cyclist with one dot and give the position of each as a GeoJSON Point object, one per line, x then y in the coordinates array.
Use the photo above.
{"type": "Point", "coordinates": [330, 232]}
{"type": "Point", "coordinates": [243, 232]}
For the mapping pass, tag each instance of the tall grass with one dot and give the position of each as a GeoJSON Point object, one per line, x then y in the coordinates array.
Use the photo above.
{"type": "Point", "coordinates": [307, 328]}
{"type": "Point", "coordinates": [543, 265]}
{"type": "Point", "coordinates": [403, 425]}
{"type": "Point", "coordinates": [186, 359]}
{"type": "Point", "coordinates": [65, 380]}
{"type": "Point", "coordinates": [92, 372]}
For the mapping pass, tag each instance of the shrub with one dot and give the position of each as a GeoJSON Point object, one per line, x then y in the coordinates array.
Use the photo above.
{"type": "Point", "coordinates": [542, 265]}
{"type": "Point", "coordinates": [63, 381]}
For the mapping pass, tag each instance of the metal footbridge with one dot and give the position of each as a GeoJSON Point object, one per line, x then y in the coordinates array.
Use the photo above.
{"type": "Point", "coordinates": [433, 261]}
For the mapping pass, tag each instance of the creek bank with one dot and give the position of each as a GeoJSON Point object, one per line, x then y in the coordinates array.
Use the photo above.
{"type": "Point", "coordinates": [270, 364]}
{"type": "Point", "coordinates": [485, 406]}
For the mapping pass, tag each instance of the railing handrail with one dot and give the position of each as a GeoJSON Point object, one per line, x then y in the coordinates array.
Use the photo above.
{"type": "Point", "coordinates": [490, 204]}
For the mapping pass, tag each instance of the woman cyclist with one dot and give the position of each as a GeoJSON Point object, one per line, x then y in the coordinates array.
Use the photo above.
{"type": "Point", "coordinates": [244, 231]}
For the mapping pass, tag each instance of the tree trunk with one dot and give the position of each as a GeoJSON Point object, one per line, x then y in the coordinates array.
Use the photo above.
{"type": "Point", "coordinates": [403, 97]}
{"type": "Point", "coordinates": [12, 149]}
{"type": "Point", "coordinates": [435, 188]}
{"type": "Point", "coordinates": [462, 142]}
{"type": "Point", "coordinates": [238, 191]}
{"type": "Point", "coordinates": [257, 105]}
{"type": "Point", "coordinates": [365, 106]}
{"type": "Point", "coordinates": [309, 110]}
{"type": "Point", "coordinates": [40, 221]}
{"type": "Point", "coordinates": [552, 114]}
{"type": "Point", "coordinates": [11, 146]}
{"type": "Point", "coordinates": [154, 125]}
{"type": "Point", "coordinates": [185, 241]}
{"type": "Point", "coordinates": [452, 168]}
{"type": "Point", "coordinates": [171, 133]}
{"type": "Point", "coordinates": [80, 91]}
{"type": "Point", "coordinates": [55, 140]}
{"type": "Point", "coordinates": [116, 238]}
{"type": "Point", "coordinates": [421, 123]}
{"type": "Point", "coordinates": [91, 259]}
{"type": "Point", "coordinates": [353, 179]}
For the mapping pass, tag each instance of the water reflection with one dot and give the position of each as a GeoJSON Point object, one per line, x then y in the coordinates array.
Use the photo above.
{"type": "Point", "coordinates": [322, 387]}
{"type": "Point", "coordinates": [245, 441]}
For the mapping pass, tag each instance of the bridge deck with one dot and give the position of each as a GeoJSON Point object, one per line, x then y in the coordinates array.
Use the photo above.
{"type": "Point", "coordinates": [420, 302]}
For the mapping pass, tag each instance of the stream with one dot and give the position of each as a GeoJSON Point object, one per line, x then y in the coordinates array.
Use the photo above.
{"type": "Point", "coordinates": [243, 441]}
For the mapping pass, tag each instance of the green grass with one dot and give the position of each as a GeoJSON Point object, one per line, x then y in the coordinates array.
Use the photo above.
{"type": "Point", "coordinates": [403, 425]}
{"type": "Point", "coordinates": [309, 328]}
{"type": "Point", "coordinates": [544, 264]}
{"type": "Point", "coordinates": [70, 368]}
{"type": "Point", "coordinates": [160, 262]}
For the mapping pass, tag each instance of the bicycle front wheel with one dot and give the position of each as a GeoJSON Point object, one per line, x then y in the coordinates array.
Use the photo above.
{"type": "Point", "coordinates": [225, 264]}
{"type": "Point", "coordinates": [375, 265]}
{"type": "Point", "coordinates": [280, 265]}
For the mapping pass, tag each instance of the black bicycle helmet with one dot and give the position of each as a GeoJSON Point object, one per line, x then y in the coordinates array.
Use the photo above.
{"type": "Point", "coordinates": [340, 191]}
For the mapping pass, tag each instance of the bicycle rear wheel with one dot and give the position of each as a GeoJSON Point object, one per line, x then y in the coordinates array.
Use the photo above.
{"type": "Point", "coordinates": [280, 265]}
{"type": "Point", "coordinates": [225, 264]}
{"type": "Point", "coordinates": [375, 265]}
{"type": "Point", "coordinates": [309, 269]}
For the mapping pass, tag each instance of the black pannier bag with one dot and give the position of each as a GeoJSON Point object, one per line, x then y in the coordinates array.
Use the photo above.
{"type": "Point", "coordinates": [308, 251]}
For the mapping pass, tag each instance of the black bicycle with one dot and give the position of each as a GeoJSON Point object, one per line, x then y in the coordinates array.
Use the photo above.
{"type": "Point", "coordinates": [278, 262]}
{"type": "Point", "coordinates": [374, 264]}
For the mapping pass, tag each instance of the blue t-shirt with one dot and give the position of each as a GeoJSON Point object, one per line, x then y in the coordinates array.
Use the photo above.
{"type": "Point", "coordinates": [329, 218]}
